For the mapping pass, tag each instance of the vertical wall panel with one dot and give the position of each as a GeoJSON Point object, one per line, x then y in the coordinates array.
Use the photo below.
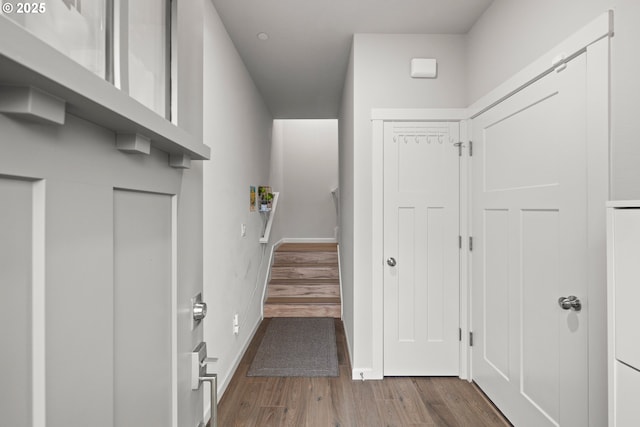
{"type": "Point", "coordinates": [531, 159]}
{"type": "Point", "coordinates": [540, 314]}
{"type": "Point", "coordinates": [496, 290]}
{"type": "Point", "coordinates": [15, 302]}
{"type": "Point", "coordinates": [142, 277]}
{"type": "Point", "coordinates": [436, 305]}
{"type": "Point", "coordinates": [79, 304]}
{"type": "Point", "coordinates": [406, 279]}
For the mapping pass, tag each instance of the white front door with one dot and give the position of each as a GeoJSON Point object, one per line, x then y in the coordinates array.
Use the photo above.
{"type": "Point", "coordinates": [530, 248]}
{"type": "Point", "coordinates": [421, 227]}
{"type": "Point", "coordinates": [95, 286]}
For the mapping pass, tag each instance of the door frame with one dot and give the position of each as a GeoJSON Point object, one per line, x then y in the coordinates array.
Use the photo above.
{"type": "Point", "coordinates": [594, 39]}
{"type": "Point", "coordinates": [378, 119]}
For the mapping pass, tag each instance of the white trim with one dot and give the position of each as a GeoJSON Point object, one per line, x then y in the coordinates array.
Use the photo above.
{"type": "Point", "coordinates": [174, 310]}
{"type": "Point", "coordinates": [38, 304]}
{"type": "Point", "coordinates": [598, 29]}
{"type": "Point", "coordinates": [598, 185]}
{"type": "Point", "coordinates": [419, 114]}
{"type": "Point", "coordinates": [340, 282]}
{"type": "Point", "coordinates": [465, 258]}
{"type": "Point", "coordinates": [376, 371]}
{"type": "Point", "coordinates": [611, 319]}
{"type": "Point", "coordinates": [362, 374]}
{"type": "Point", "coordinates": [222, 385]}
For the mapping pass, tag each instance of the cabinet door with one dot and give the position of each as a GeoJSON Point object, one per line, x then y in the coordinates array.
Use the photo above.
{"type": "Point", "coordinates": [627, 410]}
{"type": "Point", "coordinates": [626, 270]}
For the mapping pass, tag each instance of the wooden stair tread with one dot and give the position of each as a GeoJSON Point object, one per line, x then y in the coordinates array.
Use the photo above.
{"type": "Point", "coordinates": [303, 300]}
{"type": "Point", "coordinates": [304, 281]}
{"type": "Point", "coordinates": [302, 310]}
{"type": "Point", "coordinates": [307, 247]}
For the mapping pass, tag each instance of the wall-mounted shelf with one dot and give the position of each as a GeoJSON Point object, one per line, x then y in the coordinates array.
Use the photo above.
{"type": "Point", "coordinates": [27, 62]}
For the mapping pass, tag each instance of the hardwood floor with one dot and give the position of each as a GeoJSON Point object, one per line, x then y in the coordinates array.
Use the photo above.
{"type": "Point", "coordinates": [342, 402]}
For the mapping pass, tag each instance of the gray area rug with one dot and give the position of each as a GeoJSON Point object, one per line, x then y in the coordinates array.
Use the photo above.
{"type": "Point", "coordinates": [297, 347]}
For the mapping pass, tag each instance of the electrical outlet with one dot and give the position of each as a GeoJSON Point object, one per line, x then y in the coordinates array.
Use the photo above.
{"type": "Point", "coordinates": [243, 230]}
{"type": "Point", "coordinates": [236, 324]}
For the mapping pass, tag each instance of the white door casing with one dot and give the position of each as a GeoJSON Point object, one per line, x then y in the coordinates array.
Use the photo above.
{"type": "Point", "coordinates": [421, 229]}
{"type": "Point", "coordinates": [529, 226]}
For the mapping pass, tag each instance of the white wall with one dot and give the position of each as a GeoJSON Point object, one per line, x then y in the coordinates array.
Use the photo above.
{"type": "Point", "coordinates": [237, 127]}
{"type": "Point", "coordinates": [381, 66]}
{"type": "Point", "coordinates": [515, 33]}
{"type": "Point", "coordinates": [305, 153]}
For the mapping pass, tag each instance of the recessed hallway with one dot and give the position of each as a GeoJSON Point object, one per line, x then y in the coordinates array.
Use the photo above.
{"type": "Point", "coordinates": [341, 402]}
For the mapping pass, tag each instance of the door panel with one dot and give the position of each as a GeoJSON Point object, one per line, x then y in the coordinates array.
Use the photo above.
{"type": "Point", "coordinates": [79, 300]}
{"type": "Point", "coordinates": [421, 217]}
{"type": "Point", "coordinates": [16, 221]}
{"type": "Point", "coordinates": [79, 312]}
{"type": "Point", "coordinates": [530, 160]}
{"type": "Point", "coordinates": [540, 332]}
{"type": "Point", "coordinates": [530, 229]}
{"type": "Point", "coordinates": [143, 308]}
{"type": "Point", "coordinates": [496, 320]}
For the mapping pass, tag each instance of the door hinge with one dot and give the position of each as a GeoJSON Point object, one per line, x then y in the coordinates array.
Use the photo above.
{"type": "Point", "coordinates": [470, 243]}
{"type": "Point", "coordinates": [459, 145]}
{"type": "Point", "coordinates": [459, 334]}
{"type": "Point", "coordinates": [470, 339]}
{"type": "Point", "coordinates": [470, 148]}
{"type": "Point", "coordinates": [459, 242]}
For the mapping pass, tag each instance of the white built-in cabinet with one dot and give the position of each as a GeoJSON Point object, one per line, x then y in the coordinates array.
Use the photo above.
{"type": "Point", "coordinates": [623, 259]}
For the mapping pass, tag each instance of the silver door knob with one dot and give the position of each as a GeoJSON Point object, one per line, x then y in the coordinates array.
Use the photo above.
{"type": "Point", "coordinates": [199, 310]}
{"type": "Point", "coordinates": [570, 303]}
{"type": "Point", "coordinates": [391, 261]}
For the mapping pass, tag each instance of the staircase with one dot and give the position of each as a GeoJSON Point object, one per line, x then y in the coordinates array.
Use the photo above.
{"type": "Point", "coordinates": [304, 281]}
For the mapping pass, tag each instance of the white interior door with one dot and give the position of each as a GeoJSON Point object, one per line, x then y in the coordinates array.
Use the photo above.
{"type": "Point", "coordinates": [92, 250]}
{"type": "Point", "coordinates": [530, 249]}
{"type": "Point", "coordinates": [421, 227]}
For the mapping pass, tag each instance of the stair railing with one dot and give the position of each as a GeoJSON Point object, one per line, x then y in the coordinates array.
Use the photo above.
{"type": "Point", "coordinates": [271, 214]}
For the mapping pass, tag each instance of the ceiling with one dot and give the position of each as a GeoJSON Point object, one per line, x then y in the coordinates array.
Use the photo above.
{"type": "Point", "coordinates": [300, 68]}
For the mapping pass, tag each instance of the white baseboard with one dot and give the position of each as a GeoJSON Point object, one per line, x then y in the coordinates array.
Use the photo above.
{"type": "Point", "coordinates": [364, 374]}
{"type": "Point", "coordinates": [340, 284]}
{"type": "Point", "coordinates": [222, 386]}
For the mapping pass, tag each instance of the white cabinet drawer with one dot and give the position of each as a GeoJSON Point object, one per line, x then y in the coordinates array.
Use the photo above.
{"type": "Point", "coordinates": [627, 407]}
{"type": "Point", "coordinates": [626, 246]}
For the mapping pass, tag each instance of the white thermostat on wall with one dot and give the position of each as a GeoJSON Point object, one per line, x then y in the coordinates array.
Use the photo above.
{"type": "Point", "coordinates": [424, 68]}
